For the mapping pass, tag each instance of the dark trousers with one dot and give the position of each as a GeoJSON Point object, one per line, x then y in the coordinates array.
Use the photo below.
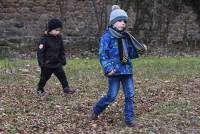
{"type": "Point", "coordinates": [46, 74]}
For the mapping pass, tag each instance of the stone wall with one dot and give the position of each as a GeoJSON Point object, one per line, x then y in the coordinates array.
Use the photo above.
{"type": "Point", "coordinates": [23, 21]}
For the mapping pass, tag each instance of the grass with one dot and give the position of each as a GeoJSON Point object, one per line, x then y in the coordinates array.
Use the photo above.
{"type": "Point", "coordinates": [166, 98]}
{"type": "Point", "coordinates": [168, 67]}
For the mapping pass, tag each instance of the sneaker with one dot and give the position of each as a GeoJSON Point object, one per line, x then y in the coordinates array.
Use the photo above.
{"type": "Point", "coordinates": [93, 116]}
{"type": "Point", "coordinates": [42, 93]}
{"type": "Point", "coordinates": [68, 91]}
{"type": "Point", "coordinates": [133, 124]}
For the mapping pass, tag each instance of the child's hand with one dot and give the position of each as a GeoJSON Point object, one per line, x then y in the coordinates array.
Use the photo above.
{"type": "Point", "coordinates": [142, 51]}
{"type": "Point", "coordinates": [111, 72]}
{"type": "Point", "coordinates": [145, 47]}
{"type": "Point", "coordinates": [45, 32]}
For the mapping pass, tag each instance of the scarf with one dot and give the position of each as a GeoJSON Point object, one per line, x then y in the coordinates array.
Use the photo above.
{"type": "Point", "coordinates": [123, 51]}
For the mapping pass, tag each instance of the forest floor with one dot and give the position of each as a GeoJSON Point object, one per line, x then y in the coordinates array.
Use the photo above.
{"type": "Point", "coordinates": [167, 91]}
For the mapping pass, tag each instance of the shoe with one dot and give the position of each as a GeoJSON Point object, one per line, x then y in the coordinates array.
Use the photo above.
{"type": "Point", "coordinates": [68, 91]}
{"type": "Point", "coordinates": [133, 124]}
{"type": "Point", "coordinates": [42, 93]}
{"type": "Point", "coordinates": [93, 116]}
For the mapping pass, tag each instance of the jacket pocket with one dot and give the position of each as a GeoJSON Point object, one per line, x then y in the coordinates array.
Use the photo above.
{"type": "Point", "coordinates": [117, 68]}
{"type": "Point", "coordinates": [116, 65]}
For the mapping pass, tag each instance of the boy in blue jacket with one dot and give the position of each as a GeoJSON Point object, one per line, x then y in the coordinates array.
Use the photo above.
{"type": "Point", "coordinates": [117, 48]}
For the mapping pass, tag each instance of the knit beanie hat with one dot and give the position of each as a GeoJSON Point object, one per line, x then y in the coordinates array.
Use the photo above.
{"type": "Point", "coordinates": [53, 24]}
{"type": "Point", "coordinates": [117, 14]}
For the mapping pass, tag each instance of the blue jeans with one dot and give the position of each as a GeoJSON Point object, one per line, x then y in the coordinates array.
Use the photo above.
{"type": "Point", "coordinates": [113, 88]}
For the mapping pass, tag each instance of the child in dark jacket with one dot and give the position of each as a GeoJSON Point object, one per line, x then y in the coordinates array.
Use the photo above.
{"type": "Point", "coordinates": [117, 48]}
{"type": "Point", "coordinates": [51, 57]}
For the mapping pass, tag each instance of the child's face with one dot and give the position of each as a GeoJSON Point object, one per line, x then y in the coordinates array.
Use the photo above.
{"type": "Point", "coordinates": [120, 25]}
{"type": "Point", "coordinates": [55, 32]}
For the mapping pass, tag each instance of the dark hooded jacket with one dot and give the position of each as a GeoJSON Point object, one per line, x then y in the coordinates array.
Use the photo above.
{"type": "Point", "coordinates": [51, 52]}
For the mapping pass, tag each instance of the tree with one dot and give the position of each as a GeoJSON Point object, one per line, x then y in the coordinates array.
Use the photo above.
{"type": "Point", "coordinates": [101, 14]}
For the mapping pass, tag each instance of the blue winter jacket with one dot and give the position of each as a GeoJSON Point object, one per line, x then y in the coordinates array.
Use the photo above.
{"type": "Point", "coordinates": [109, 55]}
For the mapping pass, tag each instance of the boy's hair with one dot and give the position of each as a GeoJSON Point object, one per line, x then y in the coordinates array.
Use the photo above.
{"type": "Point", "coordinates": [117, 14]}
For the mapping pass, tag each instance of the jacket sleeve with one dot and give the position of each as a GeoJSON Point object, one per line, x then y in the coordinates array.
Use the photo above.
{"type": "Point", "coordinates": [41, 51]}
{"type": "Point", "coordinates": [104, 55]}
{"type": "Point", "coordinates": [132, 52]}
{"type": "Point", "coordinates": [62, 53]}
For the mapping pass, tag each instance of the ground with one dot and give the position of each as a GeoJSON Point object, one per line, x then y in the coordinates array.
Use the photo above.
{"type": "Point", "coordinates": [166, 98]}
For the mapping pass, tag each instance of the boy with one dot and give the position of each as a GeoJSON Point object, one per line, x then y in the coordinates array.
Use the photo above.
{"type": "Point", "coordinates": [51, 57]}
{"type": "Point", "coordinates": [117, 48]}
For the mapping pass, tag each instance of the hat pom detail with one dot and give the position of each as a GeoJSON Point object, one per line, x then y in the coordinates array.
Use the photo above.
{"type": "Point", "coordinates": [114, 7]}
